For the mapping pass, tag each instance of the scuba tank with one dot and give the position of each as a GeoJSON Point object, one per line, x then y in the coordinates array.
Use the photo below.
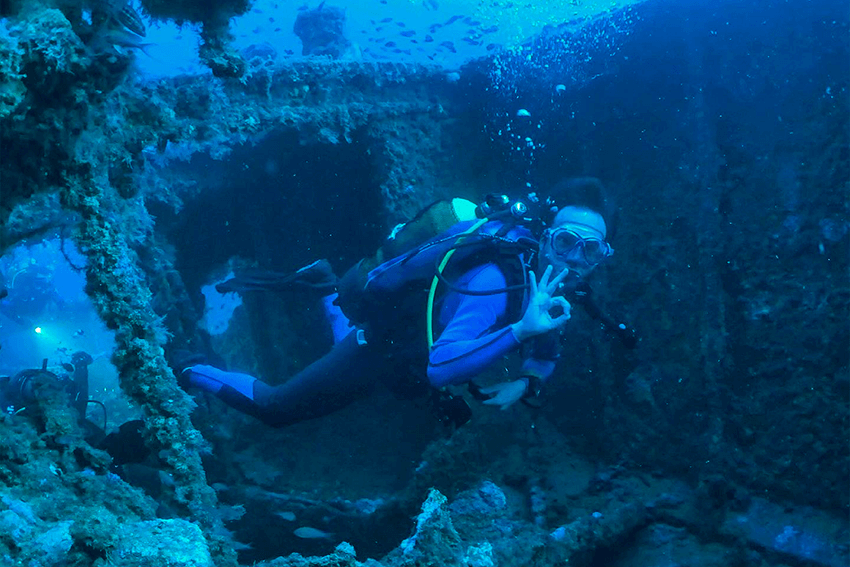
{"type": "Point", "coordinates": [416, 255]}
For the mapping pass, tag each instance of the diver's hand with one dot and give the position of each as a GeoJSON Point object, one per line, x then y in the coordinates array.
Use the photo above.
{"type": "Point", "coordinates": [542, 299]}
{"type": "Point", "coordinates": [506, 393]}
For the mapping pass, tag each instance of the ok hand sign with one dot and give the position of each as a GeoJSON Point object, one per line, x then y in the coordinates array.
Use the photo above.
{"type": "Point", "coordinates": [538, 319]}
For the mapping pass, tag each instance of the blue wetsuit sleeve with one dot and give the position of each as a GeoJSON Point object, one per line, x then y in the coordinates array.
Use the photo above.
{"type": "Point", "coordinates": [469, 344]}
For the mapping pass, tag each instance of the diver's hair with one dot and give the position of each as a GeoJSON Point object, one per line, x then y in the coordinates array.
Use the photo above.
{"type": "Point", "coordinates": [587, 193]}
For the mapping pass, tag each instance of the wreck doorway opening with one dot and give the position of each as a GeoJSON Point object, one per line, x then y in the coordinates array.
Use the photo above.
{"type": "Point", "coordinates": [279, 205]}
{"type": "Point", "coordinates": [276, 204]}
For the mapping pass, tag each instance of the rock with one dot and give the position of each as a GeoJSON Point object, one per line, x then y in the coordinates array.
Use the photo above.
{"type": "Point", "coordinates": [54, 543]}
{"type": "Point", "coordinates": [343, 556]}
{"type": "Point", "coordinates": [801, 535]}
{"type": "Point", "coordinates": [435, 540]}
{"type": "Point", "coordinates": [580, 539]}
{"type": "Point", "coordinates": [661, 544]}
{"type": "Point", "coordinates": [478, 507]}
{"type": "Point", "coordinates": [176, 543]}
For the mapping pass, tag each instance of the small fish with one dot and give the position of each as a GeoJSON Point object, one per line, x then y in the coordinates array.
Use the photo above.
{"type": "Point", "coordinates": [431, 4]}
{"type": "Point", "coordinates": [389, 44]}
{"type": "Point", "coordinates": [491, 46]}
{"type": "Point", "coordinates": [288, 516]}
{"type": "Point", "coordinates": [429, 39]}
{"type": "Point", "coordinates": [452, 20]}
{"type": "Point", "coordinates": [491, 29]}
{"type": "Point", "coordinates": [118, 39]}
{"type": "Point", "coordinates": [401, 24]}
{"type": "Point", "coordinates": [311, 533]}
{"type": "Point", "coordinates": [231, 513]}
{"type": "Point", "coordinates": [257, 11]}
{"type": "Point", "coordinates": [277, 29]}
{"type": "Point", "coordinates": [470, 22]}
{"type": "Point", "coordinates": [408, 33]}
{"type": "Point", "coordinates": [118, 12]}
{"type": "Point", "coordinates": [386, 20]}
{"type": "Point", "coordinates": [449, 45]}
{"type": "Point", "coordinates": [130, 19]}
{"type": "Point", "coordinates": [523, 113]}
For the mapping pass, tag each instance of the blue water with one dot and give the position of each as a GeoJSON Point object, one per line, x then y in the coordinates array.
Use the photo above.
{"type": "Point", "coordinates": [417, 31]}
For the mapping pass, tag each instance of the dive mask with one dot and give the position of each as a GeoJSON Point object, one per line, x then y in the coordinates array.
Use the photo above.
{"type": "Point", "coordinates": [569, 244]}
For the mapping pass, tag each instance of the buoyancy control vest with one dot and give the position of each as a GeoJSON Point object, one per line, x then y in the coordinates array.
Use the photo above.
{"type": "Point", "coordinates": [398, 284]}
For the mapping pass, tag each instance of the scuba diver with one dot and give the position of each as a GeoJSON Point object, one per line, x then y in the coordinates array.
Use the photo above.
{"type": "Point", "coordinates": [24, 392]}
{"type": "Point", "coordinates": [30, 393]}
{"type": "Point", "coordinates": [20, 391]}
{"type": "Point", "coordinates": [476, 277]}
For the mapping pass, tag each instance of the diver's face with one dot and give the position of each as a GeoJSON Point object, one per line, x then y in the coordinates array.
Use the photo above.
{"type": "Point", "coordinates": [575, 241]}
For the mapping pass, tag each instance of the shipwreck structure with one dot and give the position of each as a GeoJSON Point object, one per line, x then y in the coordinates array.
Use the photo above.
{"type": "Point", "coordinates": [723, 434]}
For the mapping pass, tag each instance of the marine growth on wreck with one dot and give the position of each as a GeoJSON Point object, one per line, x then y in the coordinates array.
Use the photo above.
{"type": "Point", "coordinates": [274, 285]}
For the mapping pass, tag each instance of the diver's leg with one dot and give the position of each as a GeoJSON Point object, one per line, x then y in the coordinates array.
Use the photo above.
{"type": "Point", "coordinates": [332, 382]}
{"type": "Point", "coordinates": [212, 379]}
{"type": "Point", "coordinates": [318, 276]}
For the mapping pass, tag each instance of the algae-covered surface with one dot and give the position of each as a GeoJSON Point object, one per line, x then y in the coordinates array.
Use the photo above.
{"type": "Point", "coordinates": [150, 150]}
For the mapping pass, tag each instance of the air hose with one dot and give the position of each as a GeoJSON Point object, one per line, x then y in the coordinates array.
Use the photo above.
{"type": "Point", "coordinates": [432, 293]}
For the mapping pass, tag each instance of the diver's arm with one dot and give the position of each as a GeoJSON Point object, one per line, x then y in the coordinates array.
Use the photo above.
{"type": "Point", "coordinates": [543, 356]}
{"type": "Point", "coordinates": [467, 346]}
{"type": "Point", "coordinates": [536, 369]}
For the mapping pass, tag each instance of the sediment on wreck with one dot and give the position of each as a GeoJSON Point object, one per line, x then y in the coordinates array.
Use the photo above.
{"type": "Point", "coordinates": [122, 299]}
{"type": "Point", "coordinates": [100, 135]}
